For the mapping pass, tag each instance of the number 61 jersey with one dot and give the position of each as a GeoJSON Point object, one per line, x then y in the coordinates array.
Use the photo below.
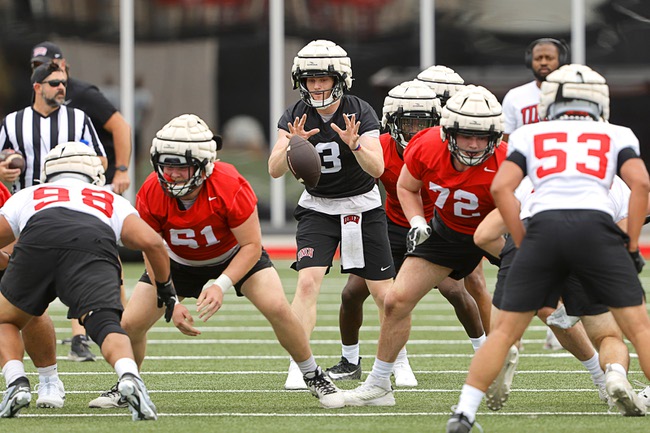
{"type": "Point", "coordinates": [200, 235]}
{"type": "Point", "coordinates": [571, 163]}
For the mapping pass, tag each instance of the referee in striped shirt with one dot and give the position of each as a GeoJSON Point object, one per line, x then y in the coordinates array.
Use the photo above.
{"type": "Point", "coordinates": [37, 129]}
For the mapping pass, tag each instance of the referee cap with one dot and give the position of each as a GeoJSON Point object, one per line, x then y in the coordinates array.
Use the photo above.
{"type": "Point", "coordinates": [45, 52]}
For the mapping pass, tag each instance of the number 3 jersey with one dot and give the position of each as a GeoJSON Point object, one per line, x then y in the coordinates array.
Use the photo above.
{"type": "Point", "coordinates": [200, 235]}
{"type": "Point", "coordinates": [73, 194]}
{"type": "Point", "coordinates": [571, 163]}
{"type": "Point", "coordinates": [462, 198]}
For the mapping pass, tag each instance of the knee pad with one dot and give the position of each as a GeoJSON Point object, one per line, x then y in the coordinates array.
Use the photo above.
{"type": "Point", "coordinates": [100, 323]}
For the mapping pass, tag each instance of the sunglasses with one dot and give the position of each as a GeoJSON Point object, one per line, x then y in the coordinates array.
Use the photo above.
{"type": "Point", "coordinates": [56, 83]}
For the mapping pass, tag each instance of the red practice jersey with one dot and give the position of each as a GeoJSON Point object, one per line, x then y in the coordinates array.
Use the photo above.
{"type": "Point", "coordinates": [202, 232]}
{"type": "Point", "coordinates": [462, 199]}
{"type": "Point", "coordinates": [393, 166]}
{"type": "Point", "coordinates": [4, 194]}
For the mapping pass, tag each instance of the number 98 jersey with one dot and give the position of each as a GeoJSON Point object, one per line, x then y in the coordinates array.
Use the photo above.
{"type": "Point", "coordinates": [73, 194]}
{"type": "Point", "coordinates": [571, 163]}
{"type": "Point", "coordinates": [201, 234]}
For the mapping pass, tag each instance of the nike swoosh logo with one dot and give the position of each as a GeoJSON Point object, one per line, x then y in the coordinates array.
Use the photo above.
{"type": "Point", "coordinates": [350, 114]}
{"type": "Point", "coordinates": [66, 102]}
{"type": "Point", "coordinates": [489, 170]}
{"type": "Point", "coordinates": [384, 268]}
{"type": "Point", "coordinates": [211, 198]}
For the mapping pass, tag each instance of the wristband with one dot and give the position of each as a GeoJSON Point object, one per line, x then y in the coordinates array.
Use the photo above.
{"type": "Point", "coordinates": [224, 282]}
{"type": "Point", "coordinates": [418, 221]}
{"type": "Point", "coordinates": [358, 146]}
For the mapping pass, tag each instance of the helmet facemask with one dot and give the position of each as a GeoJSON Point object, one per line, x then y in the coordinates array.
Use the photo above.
{"type": "Point", "coordinates": [404, 125]}
{"type": "Point", "coordinates": [468, 157]}
{"type": "Point", "coordinates": [336, 92]}
{"type": "Point", "coordinates": [195, 172]}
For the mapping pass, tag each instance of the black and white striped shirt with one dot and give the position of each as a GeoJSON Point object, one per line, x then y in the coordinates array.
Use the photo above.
{"type": "Point", "coordinates": [34, 136]}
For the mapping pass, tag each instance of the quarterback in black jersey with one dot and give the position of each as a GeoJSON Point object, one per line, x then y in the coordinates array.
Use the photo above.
{"type": "Point", "coordinates": [345, 206]}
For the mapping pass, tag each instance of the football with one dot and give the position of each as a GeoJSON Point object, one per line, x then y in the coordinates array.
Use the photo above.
{"type": "Point", "coordinates": [15, 159]}
{"type": "Point", "coordinates": [303, 161]}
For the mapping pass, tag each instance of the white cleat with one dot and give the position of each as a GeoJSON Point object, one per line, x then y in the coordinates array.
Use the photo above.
{"type": "Point", "coordinates": [644, 395]}
{"type": "Point", "coordinates": [498, 392]}
{"type": "Point", "coordinates": [404, 377]}
{"type": "Point", "coordinates": [51, 393]}
{"type": "Point", "coordinates": [135, 393]}
{"type": "Point", "coordinates": [370, 394]}
{"type": "Point", "coordinates": [322, 387]}
{"type": "Point", "coordinates": [622, 394]}
{"type": "Point", "coordinates": [294, 378]}
{"type": "Point", "coordinates": [551, 342]}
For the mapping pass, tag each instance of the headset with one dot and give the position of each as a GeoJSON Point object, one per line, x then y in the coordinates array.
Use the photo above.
{"type": "Point", "coordinates": [562, 48]}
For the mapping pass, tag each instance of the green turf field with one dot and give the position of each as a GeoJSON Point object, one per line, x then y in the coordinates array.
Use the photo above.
{"type": "Point", "coordinates": [230, 379]}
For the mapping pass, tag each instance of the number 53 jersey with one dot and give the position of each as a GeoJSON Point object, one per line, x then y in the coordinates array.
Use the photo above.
{"type": "Point", "coordinates": [200, 235]}
{"type": "Point", "coordinates": [571, 163]}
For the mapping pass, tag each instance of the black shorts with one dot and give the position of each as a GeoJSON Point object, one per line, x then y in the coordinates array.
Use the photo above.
{"type": "Point", "coordinates": [189, 280]}
{"type": "Point", "coordinates": [64, 254]}
{"type": "Point", "coordinates": [451, 249]}
{"type": "Point", "coordinates": [576, 300]}
{"type": "Point", "coordinates": [319, 235]}
{"type": "Point", "coordinates": [584, 243]}
{"type": "Point", "coordinates": [397, 236]}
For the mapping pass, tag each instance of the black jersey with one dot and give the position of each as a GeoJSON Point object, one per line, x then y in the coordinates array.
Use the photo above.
{"type": "Point", "coordinates": [341, 174]}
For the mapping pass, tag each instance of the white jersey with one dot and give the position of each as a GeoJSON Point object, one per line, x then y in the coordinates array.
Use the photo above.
{"type": "Point", "coordinates": [619, 198]}
{"type": "Point", "coordinates": [520, 106]}
{"type": "Point", "coordinates": [73, 194]}
{"type": "Point", "coordinates": [571, 163]}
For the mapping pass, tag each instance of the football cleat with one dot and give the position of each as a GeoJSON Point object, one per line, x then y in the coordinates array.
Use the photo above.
{"type": "Point", "coordinates": [498, 392]}
{"type": "Point", "coordinates": [80, 349]}
{"type": "Point", "coordinates": [17, 396]}
{"type": "Point", "coordinates": [644, 394]}
{"type": "Point", "coordinates": [345, 370]}
{"type": "Point", "coordinates": [135, 393]}
{"type": "Point", "coordinates": [108, 400]}
{"type": "Point", "coordinates": [51, 393]}
{"type": "Point", "coordinates": [295, 378]}
{"type": "Point", "coordinates": [459, 423]}
{"type": "Point", "coordinates": [370, 394]}
{"type": "Point", "coordinates": [404, 377]}
{"type": "Point", "coordinates": [622, 394]}
{"type": "Point", "coordinates": [321, 386]}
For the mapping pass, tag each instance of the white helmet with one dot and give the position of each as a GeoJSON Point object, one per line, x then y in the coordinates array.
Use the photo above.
{"type": "Point", "coordinates": [73, 160]}
{"type": "Point", "coordinates": [186, 141]}
{"type": "Point", "coordinates": [409, 108]}
{"type": "Point", "coordinates": [473, 111]}
{"type": "Point", "coordinates": [574, 91]}
{"type": "Point", "coordinates": [443, 80]}
{"type": "Point", "coordinates": [322, 58]}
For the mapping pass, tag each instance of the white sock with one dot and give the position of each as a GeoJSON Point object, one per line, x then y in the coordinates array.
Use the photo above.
{"type": "Point", "coordinates": [618, 368]}
{"type": "Point", "coordinates": [308, 365]}
{"type": "Point", "coordinates": [477, 342]}
{"type": "Point", "coordinates": [593, 365]}
{"type": "Point", "coordinates": [12, 370]}
{"type": "Point", "coordinates": [46, 373]}
{"type": "Point", "coordinates": [470, 399]}
{"type": "Point", "coordinates": [126, 365]}
{"type": "Point", "coordinates": [381, 370]}
{"type": "Point", "coordinates": [351, 353]}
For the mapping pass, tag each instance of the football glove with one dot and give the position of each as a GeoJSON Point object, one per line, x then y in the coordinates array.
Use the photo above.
{"type": "Point", "coordinates": [167, 297]}
{"type": "Point", "coordinates": [638, 260]}
{"type": "Point", "coordinates": [419, 232]}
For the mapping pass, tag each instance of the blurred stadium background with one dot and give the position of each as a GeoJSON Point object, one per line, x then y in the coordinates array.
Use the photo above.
{"type": "Point", "coordinates": [211, 57]}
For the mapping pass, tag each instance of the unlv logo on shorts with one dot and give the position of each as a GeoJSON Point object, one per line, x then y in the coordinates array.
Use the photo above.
{"type": "Point", "coordinates": [306, 252]}
{"type": "Point", "coordinates": [351, 218]}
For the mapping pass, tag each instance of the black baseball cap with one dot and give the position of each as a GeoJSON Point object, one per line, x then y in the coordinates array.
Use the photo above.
{"type": "Point", "coordinates": [43, 71]}
{"type": "Point", "coordinates": [46, 52]}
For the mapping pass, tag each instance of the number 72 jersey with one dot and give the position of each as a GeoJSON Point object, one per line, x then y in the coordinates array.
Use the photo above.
{"type": "Point", "coordinates": [571, 163]}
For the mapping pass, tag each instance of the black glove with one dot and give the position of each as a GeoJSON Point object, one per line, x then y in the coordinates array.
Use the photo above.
{"type": "Point", "coordinates": [638, 260]}
{"type": "Point", "coordinates": [167, 297]}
